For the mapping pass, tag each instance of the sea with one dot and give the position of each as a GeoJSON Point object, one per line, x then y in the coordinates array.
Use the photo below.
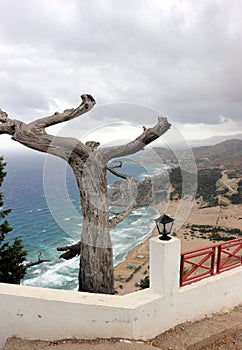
{"type": "Point", "coordinates": [46, 221]}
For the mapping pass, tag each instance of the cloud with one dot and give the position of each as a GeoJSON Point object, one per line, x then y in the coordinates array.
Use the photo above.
{"type": "Point", "coordinates": [179, 57]}
{"type": "Point", "coordinates": [225, 127]}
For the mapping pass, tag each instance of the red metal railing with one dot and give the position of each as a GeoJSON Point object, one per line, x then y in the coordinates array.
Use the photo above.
{"type": "Point", "coordinates": [229, 255]}
{"type": "Point", "coordinates": [201, 263]}
{"type": "Point", "coordinates": [197, 264]}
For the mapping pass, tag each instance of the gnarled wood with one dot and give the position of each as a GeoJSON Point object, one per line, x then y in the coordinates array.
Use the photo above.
{"type": "Point", "coordinates": [87, 104]}
{"type": "Point", "coordinates": [148, 136]}
{"type": "Point", "coordinates": [89, 165]}
{"type": "Point", "coordinates": [70, 250]}
{"type": "Point", "coordinates": [112, 170]}
{"type": "Point", "coordinates": [121, 216]}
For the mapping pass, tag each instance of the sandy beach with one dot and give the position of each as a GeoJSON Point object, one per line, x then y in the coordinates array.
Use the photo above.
{"type": "Point", "coordinates": [136, 265]}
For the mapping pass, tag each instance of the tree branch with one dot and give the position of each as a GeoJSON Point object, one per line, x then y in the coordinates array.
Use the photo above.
{"type": "Point", "coordinates": [112, 170]}
{"type": "Point", "coordinates": [148, 136]}
{"type": "Point", "coordinates": [6, 129]}
{"type": "Point", "coordinates": [33, 135]}
{"type": "Point", "coordinates": [93, 145]}
{"type": "Point", "coordinates": [7, 126]}
{"type": "Point", "coordinates": [87, 104]}
{"type": "Point", "coordinates": [121, 216]}
{"type": "Point", "coordinates": [4, 117]}
{"type": "Point", "coordinates": [34, 263]}
{"type": "Point", "coordinates": [70, 250]}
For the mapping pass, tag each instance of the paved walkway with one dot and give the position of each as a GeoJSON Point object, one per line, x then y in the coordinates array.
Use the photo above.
{"type": "Point", "coordinates": [201, 334]}
{"type": "Point", "coordinates": [18, 344]}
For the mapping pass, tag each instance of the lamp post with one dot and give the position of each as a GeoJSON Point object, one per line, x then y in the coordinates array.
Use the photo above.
{"type": "Point", "coordinates": [164, 225]}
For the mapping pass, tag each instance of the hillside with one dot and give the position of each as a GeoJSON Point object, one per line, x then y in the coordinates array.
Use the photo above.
{"type": "Point", "coordinates": [213, 140]}
{"type": "Point", "coordinates": [225, 155]}
{"type": "Point", "coordinates": [219, 177]}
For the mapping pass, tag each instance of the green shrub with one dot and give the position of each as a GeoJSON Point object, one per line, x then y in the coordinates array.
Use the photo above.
{"type": "Point", "coordinates": [145, 283]}
{"type": "Point", "coordinates": [12, 254]}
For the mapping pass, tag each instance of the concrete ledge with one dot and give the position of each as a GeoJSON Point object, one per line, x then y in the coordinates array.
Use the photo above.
{"type": "Point", "coordinates": [128, 301]}
{"type": "Point", "coordinates": [48, 314]}
{"type": "Point", "coordinates": [187, 336]}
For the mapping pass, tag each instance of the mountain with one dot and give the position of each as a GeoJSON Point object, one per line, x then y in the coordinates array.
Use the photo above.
{"type": "Point", "coordinates": [213, 140]}
{"type": "Point", "coordinates": [212, 182]}
{"type": "Point", "coordinates": [226, 155]}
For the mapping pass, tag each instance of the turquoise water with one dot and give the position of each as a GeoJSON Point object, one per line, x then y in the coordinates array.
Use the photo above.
{"type": "Point", "coordinates": [31, 218]}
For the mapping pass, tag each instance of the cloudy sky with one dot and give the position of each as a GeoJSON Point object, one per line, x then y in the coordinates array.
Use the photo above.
{"type": "Point", "coordinates": [181, 58]}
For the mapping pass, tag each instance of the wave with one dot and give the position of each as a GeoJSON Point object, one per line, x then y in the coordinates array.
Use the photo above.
{"type": "Point", "coordinates": [31, 217]}
{"type": "Point", "coordinates": [59, 275]}
{"type": "Point", "coordinates": [64, 274]}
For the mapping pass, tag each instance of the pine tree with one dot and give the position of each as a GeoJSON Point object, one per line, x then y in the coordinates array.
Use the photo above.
{"type": "Point", "coordinates": [12, 255]}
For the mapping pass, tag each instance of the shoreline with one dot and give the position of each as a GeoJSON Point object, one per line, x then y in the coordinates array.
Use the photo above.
{"type": "Point", "coordinates": [138, 258]}
{"type": "Point", "coordinates": [144, 238]}
{"type": "Point", "coordinates": [135, 266]}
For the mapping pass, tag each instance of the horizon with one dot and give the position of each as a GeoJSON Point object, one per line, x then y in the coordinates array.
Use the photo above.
{"type": "Point", "coordinates": [173, 58]}
{"type": "Point", "coordinates": [210, 141]}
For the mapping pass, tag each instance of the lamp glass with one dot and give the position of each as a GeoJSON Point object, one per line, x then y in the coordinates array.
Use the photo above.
{"type": "Point", "coordinates": [168, 227]}
{"type": "Point", "coordinates": [164, 225]}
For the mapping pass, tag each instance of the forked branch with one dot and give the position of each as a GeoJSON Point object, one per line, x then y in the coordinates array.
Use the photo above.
{"type": "Point", "coordinates": [148, 136]}
{"type": "Point", "coordinates": [33, 135]}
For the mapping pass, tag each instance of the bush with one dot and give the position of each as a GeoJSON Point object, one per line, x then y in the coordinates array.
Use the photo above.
{"type": "Point", "coordinates": [12, 255]}
{"type": "Point", "coordinates": [145, 283]}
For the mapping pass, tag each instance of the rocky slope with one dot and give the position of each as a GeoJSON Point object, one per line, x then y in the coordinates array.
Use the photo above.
{"type": "Point", "coordinates": [226, 155]}
{"type": "Point", "coordinates": [215, 165]}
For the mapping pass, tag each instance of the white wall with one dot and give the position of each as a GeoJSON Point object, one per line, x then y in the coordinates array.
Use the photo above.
{"type": "Point", "coordinates": [48, 314]}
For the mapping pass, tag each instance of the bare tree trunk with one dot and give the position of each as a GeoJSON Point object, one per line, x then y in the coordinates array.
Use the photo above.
{"type": "Point", "coordinates": [89, 165]}
{"type": "Point", "coordinates": [96, 254]}
{"type": "Point", "coordinates": [96, 270]}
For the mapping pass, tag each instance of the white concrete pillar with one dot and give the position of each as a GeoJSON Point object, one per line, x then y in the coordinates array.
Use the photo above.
{"type": "Point", "coordinates": [165, 265]}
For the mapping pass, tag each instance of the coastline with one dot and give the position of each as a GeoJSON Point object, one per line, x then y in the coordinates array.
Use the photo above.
{"type": "Point", "coordinates": [135, 266]}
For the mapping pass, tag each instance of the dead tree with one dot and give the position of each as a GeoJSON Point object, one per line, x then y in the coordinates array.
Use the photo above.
{"type": "Point", "coordinates": [90, 166]}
